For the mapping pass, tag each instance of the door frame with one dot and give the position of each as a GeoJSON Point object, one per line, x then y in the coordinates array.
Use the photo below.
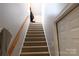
{"type": "Point", "coordinates": [70, 7]}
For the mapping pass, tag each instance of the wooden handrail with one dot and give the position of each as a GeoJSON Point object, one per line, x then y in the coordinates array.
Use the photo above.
{"type": "Point", "coordinates": [16, 39]}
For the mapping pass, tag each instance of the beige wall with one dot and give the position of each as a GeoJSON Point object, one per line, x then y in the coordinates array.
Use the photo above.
{"type": "Point", "coordinates": [12, 15]}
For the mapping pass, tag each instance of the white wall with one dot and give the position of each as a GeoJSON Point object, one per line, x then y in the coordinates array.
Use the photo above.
{"type": "Point", "coordinates": [37, 11]}
{"type": "Point", "coordinates": [12, 15]}
{"type": "Point", "coordinates": [51, 11]}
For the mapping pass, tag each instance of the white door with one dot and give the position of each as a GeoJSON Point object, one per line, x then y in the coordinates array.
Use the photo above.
{"type": "Point", "coordinates": [68, 33]}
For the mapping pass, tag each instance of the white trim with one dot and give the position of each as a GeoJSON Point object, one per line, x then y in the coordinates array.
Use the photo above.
{"type": "Point", "coordinates": [46, 41]}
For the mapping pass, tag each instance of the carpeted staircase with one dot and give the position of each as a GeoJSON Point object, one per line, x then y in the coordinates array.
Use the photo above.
{"type": "Point", "coordinates": [35, 43]}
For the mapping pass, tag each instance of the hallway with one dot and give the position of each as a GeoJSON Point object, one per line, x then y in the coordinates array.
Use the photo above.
{"type": "Point", "coordinates": [54, 33]}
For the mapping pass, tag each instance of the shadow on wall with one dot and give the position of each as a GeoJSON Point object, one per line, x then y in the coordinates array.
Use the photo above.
{"type": "Point", "coordinates": [49, 35]}
{"type": "Point", "coordinates": [5, 37]}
